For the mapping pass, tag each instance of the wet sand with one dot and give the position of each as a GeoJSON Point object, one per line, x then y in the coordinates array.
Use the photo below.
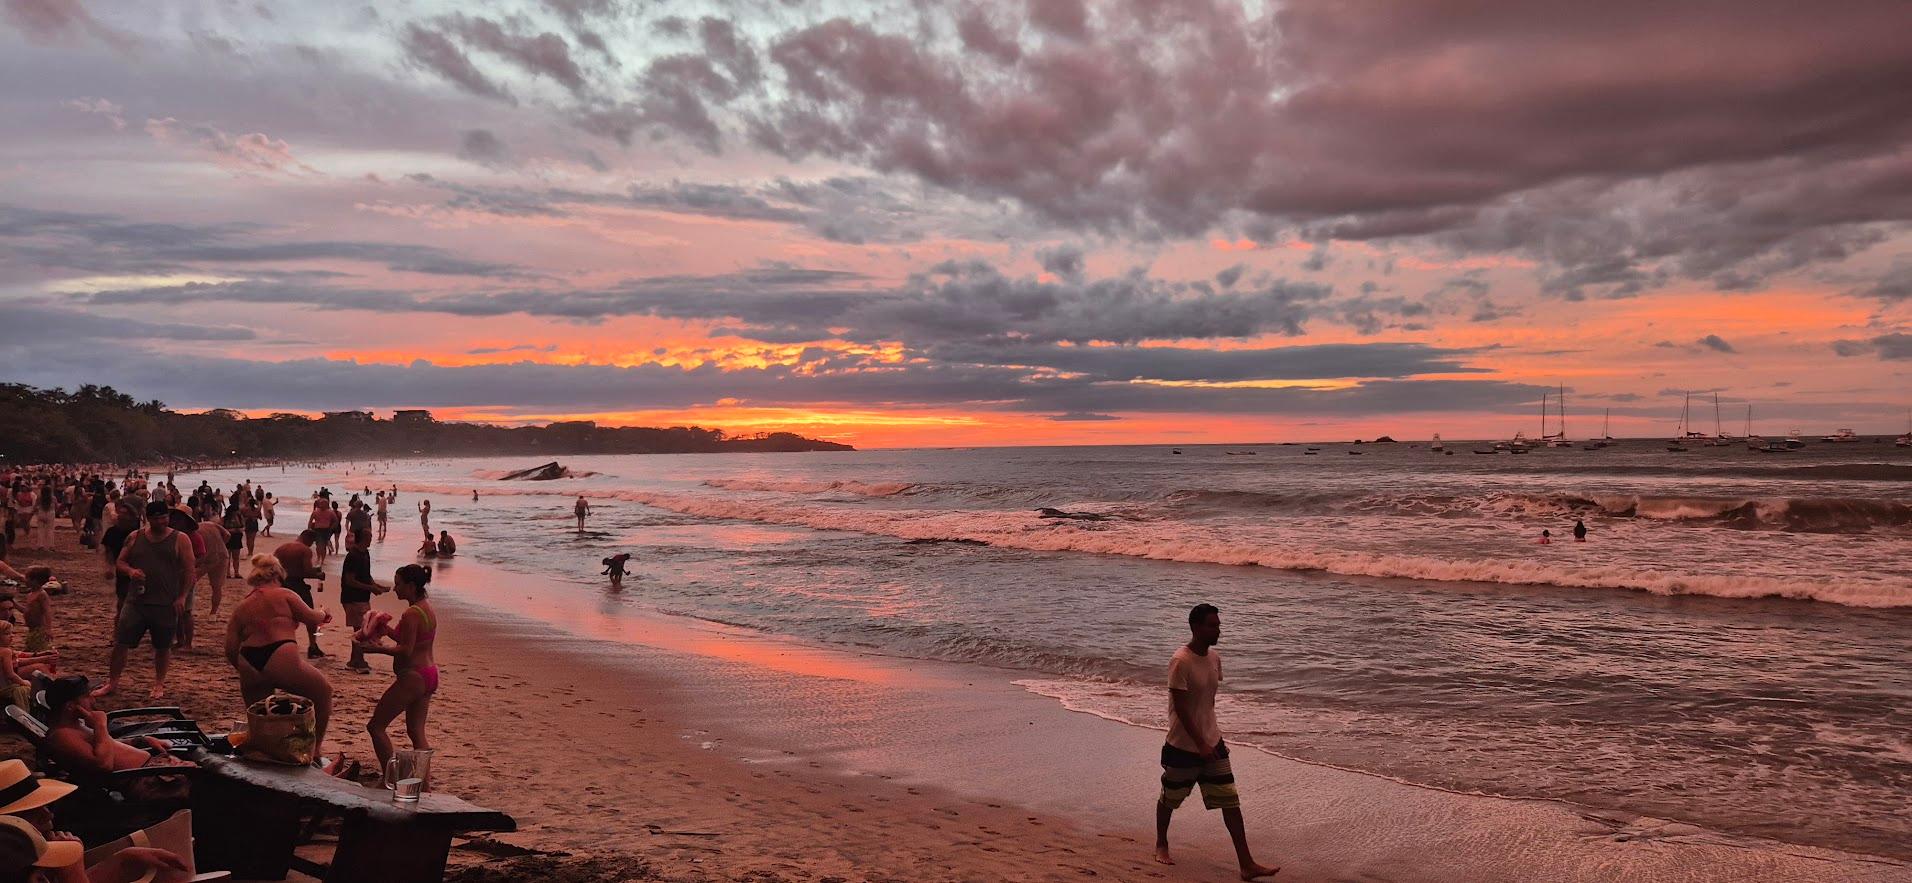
{"type": "Point", "coordinates": [672, 749]}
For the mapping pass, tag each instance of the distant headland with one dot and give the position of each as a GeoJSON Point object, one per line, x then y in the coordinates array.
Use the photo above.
{"type": "Point", "coordinates": [99, 424]}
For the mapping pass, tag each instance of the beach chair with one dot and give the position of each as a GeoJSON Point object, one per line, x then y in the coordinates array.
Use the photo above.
{"type": "Point", "coordinates": [101, 809]}
{"type": "Point", "coordinates": [167, 723]}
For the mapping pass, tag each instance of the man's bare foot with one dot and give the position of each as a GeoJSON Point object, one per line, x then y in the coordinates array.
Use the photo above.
{"type": "Point", "coordinates": [106, 689]}
{"type": "Point", "coordinates": [1162, 856]}
{"type": "Point", "coordinates": [1256, 872]}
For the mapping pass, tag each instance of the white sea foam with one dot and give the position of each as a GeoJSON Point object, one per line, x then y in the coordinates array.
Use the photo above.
{"type": "Point", "coordinates": [861, 488]}
{"type": "Point", "coordinates": [1178, 541]}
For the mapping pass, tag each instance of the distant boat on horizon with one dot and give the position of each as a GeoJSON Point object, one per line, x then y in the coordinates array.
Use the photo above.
{"type": "Point", "coordinates": [1720, 439]}
{"type": "Point", "coordinates": [1904, 441]}
{"type": "Point", "coordinates": [1843, 435]}
{"type": "Point", "coordinates": [1684, 431]}
{"type": "Point", "coordinates": [1557, 439]}
{"type": "Point", "coordinates": [1437, 446]}
{"type": "Point", "coordinates": [1606, 433]}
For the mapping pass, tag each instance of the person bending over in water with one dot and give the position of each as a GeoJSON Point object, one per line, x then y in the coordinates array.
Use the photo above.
{"type": "Point", "coordinates": [262, 643]}
{"type": "Point", "coordinates": [614, 567]}
{"type": "Point", "coordinates": [414, 667]}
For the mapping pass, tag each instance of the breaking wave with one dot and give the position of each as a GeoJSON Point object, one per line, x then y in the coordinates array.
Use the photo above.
{"type": "Point", "coordinates": [861, 488]}
{"type": "Point", "coordinates": [1179, 541]}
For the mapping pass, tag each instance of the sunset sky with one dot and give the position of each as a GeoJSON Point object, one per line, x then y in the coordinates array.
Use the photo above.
{"type": "Point", "coordinates": [961, 223]}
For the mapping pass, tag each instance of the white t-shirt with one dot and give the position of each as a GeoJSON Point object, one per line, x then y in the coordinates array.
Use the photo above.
{"type": "Point", "coordinates": [1201, 675]}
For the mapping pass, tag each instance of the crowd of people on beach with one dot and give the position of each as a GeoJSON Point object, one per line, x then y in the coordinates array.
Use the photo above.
{"type": "Point", "coordinates": [159, 543]}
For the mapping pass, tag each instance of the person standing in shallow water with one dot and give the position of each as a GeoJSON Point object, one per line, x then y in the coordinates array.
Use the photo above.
{"type": "Point", "coordinates": [1195, 753]}
{"type": "Point", "coordinates": [1579, 531]}
{"type": "Point", "coordinates": [582, 510]}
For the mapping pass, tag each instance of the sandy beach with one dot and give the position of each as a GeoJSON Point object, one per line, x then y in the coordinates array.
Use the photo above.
{"type": "Point", "coordinates": [658, 748]}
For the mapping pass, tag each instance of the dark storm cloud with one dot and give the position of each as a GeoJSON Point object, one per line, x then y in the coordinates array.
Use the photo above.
{"type": "Point", "coordinates": [1895, 347]}
{"type": "Point", "coordinates": [543, 54]}
{"type": "Point", "coordinates": [317, 384]}
{"type": "Point", "coordinates": [1621, 145]}
{"type": "Point", "coordinates": [431, 50]}
{"type": "Point", "coordinates": [840, 209]}
{"type": "Point", "coordinates": [22, 323]}
{"type": "Point", "coordinates": [1182, 364]}
{"type": "Point", "coordinates": [967, 301]}
{"type": "Point", "coordinates": [1716, 343]}
{"type": "Point", "coordinates": [100, 243]}
{"type": "Point", "coordinates": [482, 146]}
{"type": "Point", "coordinates": [1895, 285]}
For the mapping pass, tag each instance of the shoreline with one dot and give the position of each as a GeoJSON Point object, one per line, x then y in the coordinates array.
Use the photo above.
{"type": "Point", "coordinates": [742, 754]}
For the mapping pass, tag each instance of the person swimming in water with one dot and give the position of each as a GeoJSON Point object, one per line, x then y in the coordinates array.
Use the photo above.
{"type": "Point", "coordinates": [1579, 531]}
{"type": "Point", "coordinates": [1546, 538]}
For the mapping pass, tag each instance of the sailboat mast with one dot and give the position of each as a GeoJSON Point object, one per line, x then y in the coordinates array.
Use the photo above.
{"type": "Point", "coordinates": [1716, 427]}
{"type": "Point", "coordinates": [1563, 410]}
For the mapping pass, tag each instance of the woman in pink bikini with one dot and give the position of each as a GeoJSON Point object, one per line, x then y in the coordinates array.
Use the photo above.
{"type": "Point", "coordinates": [412, 662]}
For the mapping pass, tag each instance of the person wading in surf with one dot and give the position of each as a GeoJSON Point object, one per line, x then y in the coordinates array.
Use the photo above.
{"type": "Point", "coordinates": [1195, 753]}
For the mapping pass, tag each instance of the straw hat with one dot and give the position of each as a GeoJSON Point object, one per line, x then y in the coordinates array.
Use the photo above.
{"type": "Point", "coordinates": [21, 844]}
{"type": "Point", "coordinates": [22, 790]}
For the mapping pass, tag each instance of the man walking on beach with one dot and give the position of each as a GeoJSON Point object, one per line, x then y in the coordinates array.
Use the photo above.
{"type": "Point", "coordinates": [158, 565]}
{"type": "Point", "coordinates": [1195, 753]}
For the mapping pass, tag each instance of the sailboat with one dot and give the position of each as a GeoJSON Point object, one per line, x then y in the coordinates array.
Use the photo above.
{"type": "Point", "coordinates": [1558, 439]}
{"type": "Point", "coordinates": [1720, 439]}
{"type": "Point", "coordinates": [1678, 445]}
{"type": "Point", "coordinates": [1753, 442]}
{"type": "Point", "coordinates": [1606, 434]}
{"type": "Point", "coordinates": [1905, 441]}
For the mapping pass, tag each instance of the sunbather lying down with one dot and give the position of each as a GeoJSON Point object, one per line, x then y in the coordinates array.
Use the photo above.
{"type": "Point", "coordinates": [78, 739]}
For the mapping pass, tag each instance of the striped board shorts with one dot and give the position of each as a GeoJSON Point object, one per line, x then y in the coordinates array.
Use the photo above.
{"type": "Point", "coordinates": [1183, 770]}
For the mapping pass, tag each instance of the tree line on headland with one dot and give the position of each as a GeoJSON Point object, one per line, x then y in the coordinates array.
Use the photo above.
{"type": "Point", "coordinates": [99, 424]}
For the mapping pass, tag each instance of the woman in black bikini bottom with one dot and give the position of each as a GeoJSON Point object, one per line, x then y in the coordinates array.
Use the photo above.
{"type": "Point", "coordinates": [268, 611]}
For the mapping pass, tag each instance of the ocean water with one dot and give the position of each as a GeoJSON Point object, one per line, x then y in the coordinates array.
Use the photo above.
{"type": "Point", "coordinates": [1732, 647]}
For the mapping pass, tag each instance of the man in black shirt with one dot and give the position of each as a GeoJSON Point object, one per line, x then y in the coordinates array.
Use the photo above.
{"type": "Point", "coordinates": [356, 588]}
{"type": "Point", "coordinates": [125, 522]}
{"type": "Point", "coordinates": [95, 513]}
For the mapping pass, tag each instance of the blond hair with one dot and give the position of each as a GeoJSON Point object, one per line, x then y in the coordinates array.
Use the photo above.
{"type": "Point", "coordinates": [266, 571]}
